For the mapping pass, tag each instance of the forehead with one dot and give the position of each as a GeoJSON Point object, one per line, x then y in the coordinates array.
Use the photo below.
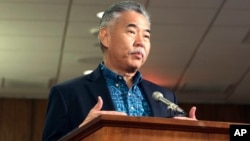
{"type": "Point", "coordinates": [132, 17]}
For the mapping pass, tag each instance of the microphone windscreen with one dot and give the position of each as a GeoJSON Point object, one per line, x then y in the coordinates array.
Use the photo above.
{"type": "Point", "coordinates": [157, 95]}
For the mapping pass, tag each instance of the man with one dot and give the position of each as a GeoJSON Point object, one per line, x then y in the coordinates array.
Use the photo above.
{"type": "Point", "coordinates": [116, 86]}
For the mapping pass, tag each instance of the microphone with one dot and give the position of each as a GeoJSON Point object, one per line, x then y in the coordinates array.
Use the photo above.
{"type": "Point", "coordinates": [158, 96]}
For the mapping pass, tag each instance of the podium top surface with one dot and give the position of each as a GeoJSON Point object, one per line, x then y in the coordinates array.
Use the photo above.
{"type": "Point", "coordinates": [151, 123]}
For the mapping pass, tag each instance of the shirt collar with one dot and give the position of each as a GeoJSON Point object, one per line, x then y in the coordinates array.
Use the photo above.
{"type": "Point", "coordinates": [109, 74]}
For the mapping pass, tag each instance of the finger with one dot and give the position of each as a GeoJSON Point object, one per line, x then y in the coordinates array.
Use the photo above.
{"type": "Point", "coordinates": [185, 118]}
{"type": "Point", "coordinates": [98, 105]}
{"type": "Point", "coordinates": [192, 112]}
{"type": "Point", "coordinates": [113, 113]}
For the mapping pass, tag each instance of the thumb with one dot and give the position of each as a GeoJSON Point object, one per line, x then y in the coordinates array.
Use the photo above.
{"type": "Point", "coordinates": [192, 112]}
{"type": "Point", "coordinates": [98, 105]}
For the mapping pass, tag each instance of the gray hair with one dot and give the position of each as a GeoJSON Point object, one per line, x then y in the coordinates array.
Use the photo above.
{"type": "Point", "coordinates": [114, 11]}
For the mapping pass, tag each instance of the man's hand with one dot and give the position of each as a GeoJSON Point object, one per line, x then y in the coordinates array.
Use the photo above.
{"type": "Point", "coordinates": [192, 115]}
{"type": "Point", "coordinates": [96, 111]}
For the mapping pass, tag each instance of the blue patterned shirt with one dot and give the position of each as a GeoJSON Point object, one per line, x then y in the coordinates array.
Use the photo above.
{"type": "Point", "coordinates": [125, 99]}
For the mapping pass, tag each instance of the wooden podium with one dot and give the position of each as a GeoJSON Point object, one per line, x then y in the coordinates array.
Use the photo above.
{"type": "Point", "coordinates": [125, 128]}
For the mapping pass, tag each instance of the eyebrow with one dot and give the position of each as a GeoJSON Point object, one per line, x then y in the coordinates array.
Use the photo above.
{"type": "Point", "coordinates": [135, 26]}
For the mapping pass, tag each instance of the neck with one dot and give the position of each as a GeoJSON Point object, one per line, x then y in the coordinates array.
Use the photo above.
{"type": "Point", "coordinates": [128, 79]}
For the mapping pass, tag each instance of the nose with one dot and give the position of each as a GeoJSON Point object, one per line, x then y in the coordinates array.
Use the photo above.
{"type": "Point", "coordinates": [139, 40]}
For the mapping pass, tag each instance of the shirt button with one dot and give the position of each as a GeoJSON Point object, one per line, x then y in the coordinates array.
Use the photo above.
{"type": "Point", "coordinates": [120, 77]}
{"type": "Point", "coordinates": [132, 108]}
{"type": "Point", "coordinates": [129, 94]}
{"type": "Point", "coordinates": [117, 85]}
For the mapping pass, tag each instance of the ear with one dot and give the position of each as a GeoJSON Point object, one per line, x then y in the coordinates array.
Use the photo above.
{"type": "Point", "coordinates": [104, 36]}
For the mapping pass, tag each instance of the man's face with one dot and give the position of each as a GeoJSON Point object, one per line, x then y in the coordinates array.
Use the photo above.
{"type": "Point", "coordinates": [128, 45]}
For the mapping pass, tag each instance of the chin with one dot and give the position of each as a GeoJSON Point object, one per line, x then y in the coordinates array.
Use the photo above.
{"type": "Point", "coordinates": [134, 68]}
{"type": "Point", "coordinates": [135, 65]}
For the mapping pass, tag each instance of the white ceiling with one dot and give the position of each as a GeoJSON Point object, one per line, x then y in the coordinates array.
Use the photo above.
{"type": "Point", "coordinates": [200, 48]}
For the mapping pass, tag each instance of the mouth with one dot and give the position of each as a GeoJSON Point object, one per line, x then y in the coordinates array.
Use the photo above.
{"type": "Point", "coordinates": [138, 53]}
